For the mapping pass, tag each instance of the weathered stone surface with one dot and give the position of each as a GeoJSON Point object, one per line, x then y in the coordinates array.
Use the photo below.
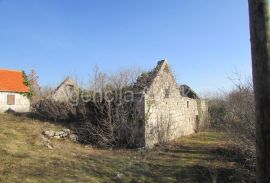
{"type": "Point", "coordinates": [166, 114]}
{"type": "Point", "coordinates": [73, 137]}
{"type": "Point", "coordinates": [49, 133]}
{"type": "Point", "coordinates": [67, 91]}
{"type": "Point", "coordinates": [57, 137]}
{"type": "Point", "coordinates": [65, 133]}
{"type": "Point", "coordinates": [66, 130]}
{"type": "Point", "coordinates": [61, 133]}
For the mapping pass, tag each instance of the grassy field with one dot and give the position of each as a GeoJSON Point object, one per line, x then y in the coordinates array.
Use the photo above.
{"type": "Point", "coordinates": [25, 158]}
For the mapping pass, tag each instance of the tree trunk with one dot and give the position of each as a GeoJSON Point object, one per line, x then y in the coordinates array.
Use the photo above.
{"type": "Point", "coordinates": [259, 28]}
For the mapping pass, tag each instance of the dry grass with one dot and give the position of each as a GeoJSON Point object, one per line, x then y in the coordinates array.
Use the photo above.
{"type": "Point", "coordinates": [24, 158]}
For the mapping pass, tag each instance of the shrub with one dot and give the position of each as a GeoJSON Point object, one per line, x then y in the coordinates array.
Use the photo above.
{"type": "Point", "coordinates": [234, 113]}
{"type": "Point", "coordinates": [109, 123]}
{"type": "Point", "coordinates": [53, 110]}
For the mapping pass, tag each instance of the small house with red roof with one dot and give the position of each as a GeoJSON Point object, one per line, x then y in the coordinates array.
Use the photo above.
{"type": "Point", "coordinates": [12, 91]}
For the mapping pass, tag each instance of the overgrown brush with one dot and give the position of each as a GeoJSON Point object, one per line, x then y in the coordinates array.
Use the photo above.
{"type": "Point", "coordinates": [234, 113]}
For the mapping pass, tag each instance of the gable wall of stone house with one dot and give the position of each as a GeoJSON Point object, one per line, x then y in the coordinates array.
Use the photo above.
{"type": "Point", "coordinates": [167, 114]}
{"type": "Point", "coordinates": [62, 93]}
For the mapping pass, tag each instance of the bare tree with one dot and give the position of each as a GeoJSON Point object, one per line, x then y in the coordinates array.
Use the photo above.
{"type": "Point", "coordinates": [36, 90]}
{"type": "Point", "coordinates": [110, 116]}
{"type": "Point", "coordinates": [233, 112]}
{"type": "Point", "coordinates": [260, 40]}
{"type": "Point", "coordinates": [98, 80]}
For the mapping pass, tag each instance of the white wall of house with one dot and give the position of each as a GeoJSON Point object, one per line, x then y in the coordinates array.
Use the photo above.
{"type": "Point", "coordinates": [22, 103]}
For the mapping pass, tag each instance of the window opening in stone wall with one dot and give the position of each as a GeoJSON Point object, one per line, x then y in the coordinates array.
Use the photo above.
{"type": "Point", "coordinates": [69, 90]}
{"type": "Point", "coordinates": [167, 93]}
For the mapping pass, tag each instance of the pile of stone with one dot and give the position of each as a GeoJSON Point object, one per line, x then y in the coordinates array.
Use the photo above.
{"type": "Point", "coordinates": [65, 133]}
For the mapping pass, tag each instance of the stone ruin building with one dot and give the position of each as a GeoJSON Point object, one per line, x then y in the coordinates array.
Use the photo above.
{"type": "Point", "coordinates": [65, 91]}
{"type": "Point", "coordinates": [167, 110]}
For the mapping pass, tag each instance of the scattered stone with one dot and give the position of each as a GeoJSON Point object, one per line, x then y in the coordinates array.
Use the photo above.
{"type": "Point", "coordinates": [57, 134]}
{"type": "Point", "coordinates": [49, 146]}
{"type": "Point", "coordinates": [49, 133]}
{"type": "Point", "coordinates": [88, 147]}
{"type": "Point", "coordinates": [61, 133]}
{"type": "Point", "coordinates": [57, 137]}
{"type": "Point", "coordinates": [66, 130]}
{"type": "Point", "coordinates": [65, 133]}
{"type": "Point", "coordinates": [73, 137]}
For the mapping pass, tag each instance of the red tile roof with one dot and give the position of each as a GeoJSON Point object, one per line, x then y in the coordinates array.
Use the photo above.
{"type": "Point", "coordinates": [12, 81]}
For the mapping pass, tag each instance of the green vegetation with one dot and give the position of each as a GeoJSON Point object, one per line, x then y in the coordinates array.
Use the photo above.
{"type": "Point", "coordinates": [27, 83]}
{"type": "Point", "coordinates": [24, 158]}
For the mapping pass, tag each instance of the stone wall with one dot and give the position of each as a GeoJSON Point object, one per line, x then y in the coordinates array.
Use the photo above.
{"type": "Point", "coordinates": [66, 91]}
{"type": "Point", "coordinates": [22, 103]}
{"type": "Point", "coordinates": [168, 115]}
{"type": "Point", "coordinates": [203, 113]}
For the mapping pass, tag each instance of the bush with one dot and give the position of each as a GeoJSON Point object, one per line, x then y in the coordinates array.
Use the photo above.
{"type": "Point", "coordinates": [109, 123]}
{"type": "Point", "coordinates": [217, 112]}
{"type": "Point", "coordinates": [234, 113]}
{"type": "Point", "coordinates": [53, 110]}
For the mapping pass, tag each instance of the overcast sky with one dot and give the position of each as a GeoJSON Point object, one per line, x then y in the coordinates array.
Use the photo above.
{"type": "Point", "coordinates": [205, 41]}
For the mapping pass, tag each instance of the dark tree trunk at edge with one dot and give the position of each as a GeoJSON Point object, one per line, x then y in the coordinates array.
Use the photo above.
{"type": "Point", "coordinates": [259, 27]}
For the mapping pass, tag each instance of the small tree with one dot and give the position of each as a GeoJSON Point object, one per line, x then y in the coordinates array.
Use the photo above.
{"type": "Point", "coordinates": [35, 88]}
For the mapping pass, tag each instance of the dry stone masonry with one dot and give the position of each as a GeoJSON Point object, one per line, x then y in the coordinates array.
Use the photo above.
{"type": "Point", "coordinates": [165, 112]}
{"type": "Point", "coordinates": [65, 133]}
{"type": "Point", "coordinates": [66, 91]}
